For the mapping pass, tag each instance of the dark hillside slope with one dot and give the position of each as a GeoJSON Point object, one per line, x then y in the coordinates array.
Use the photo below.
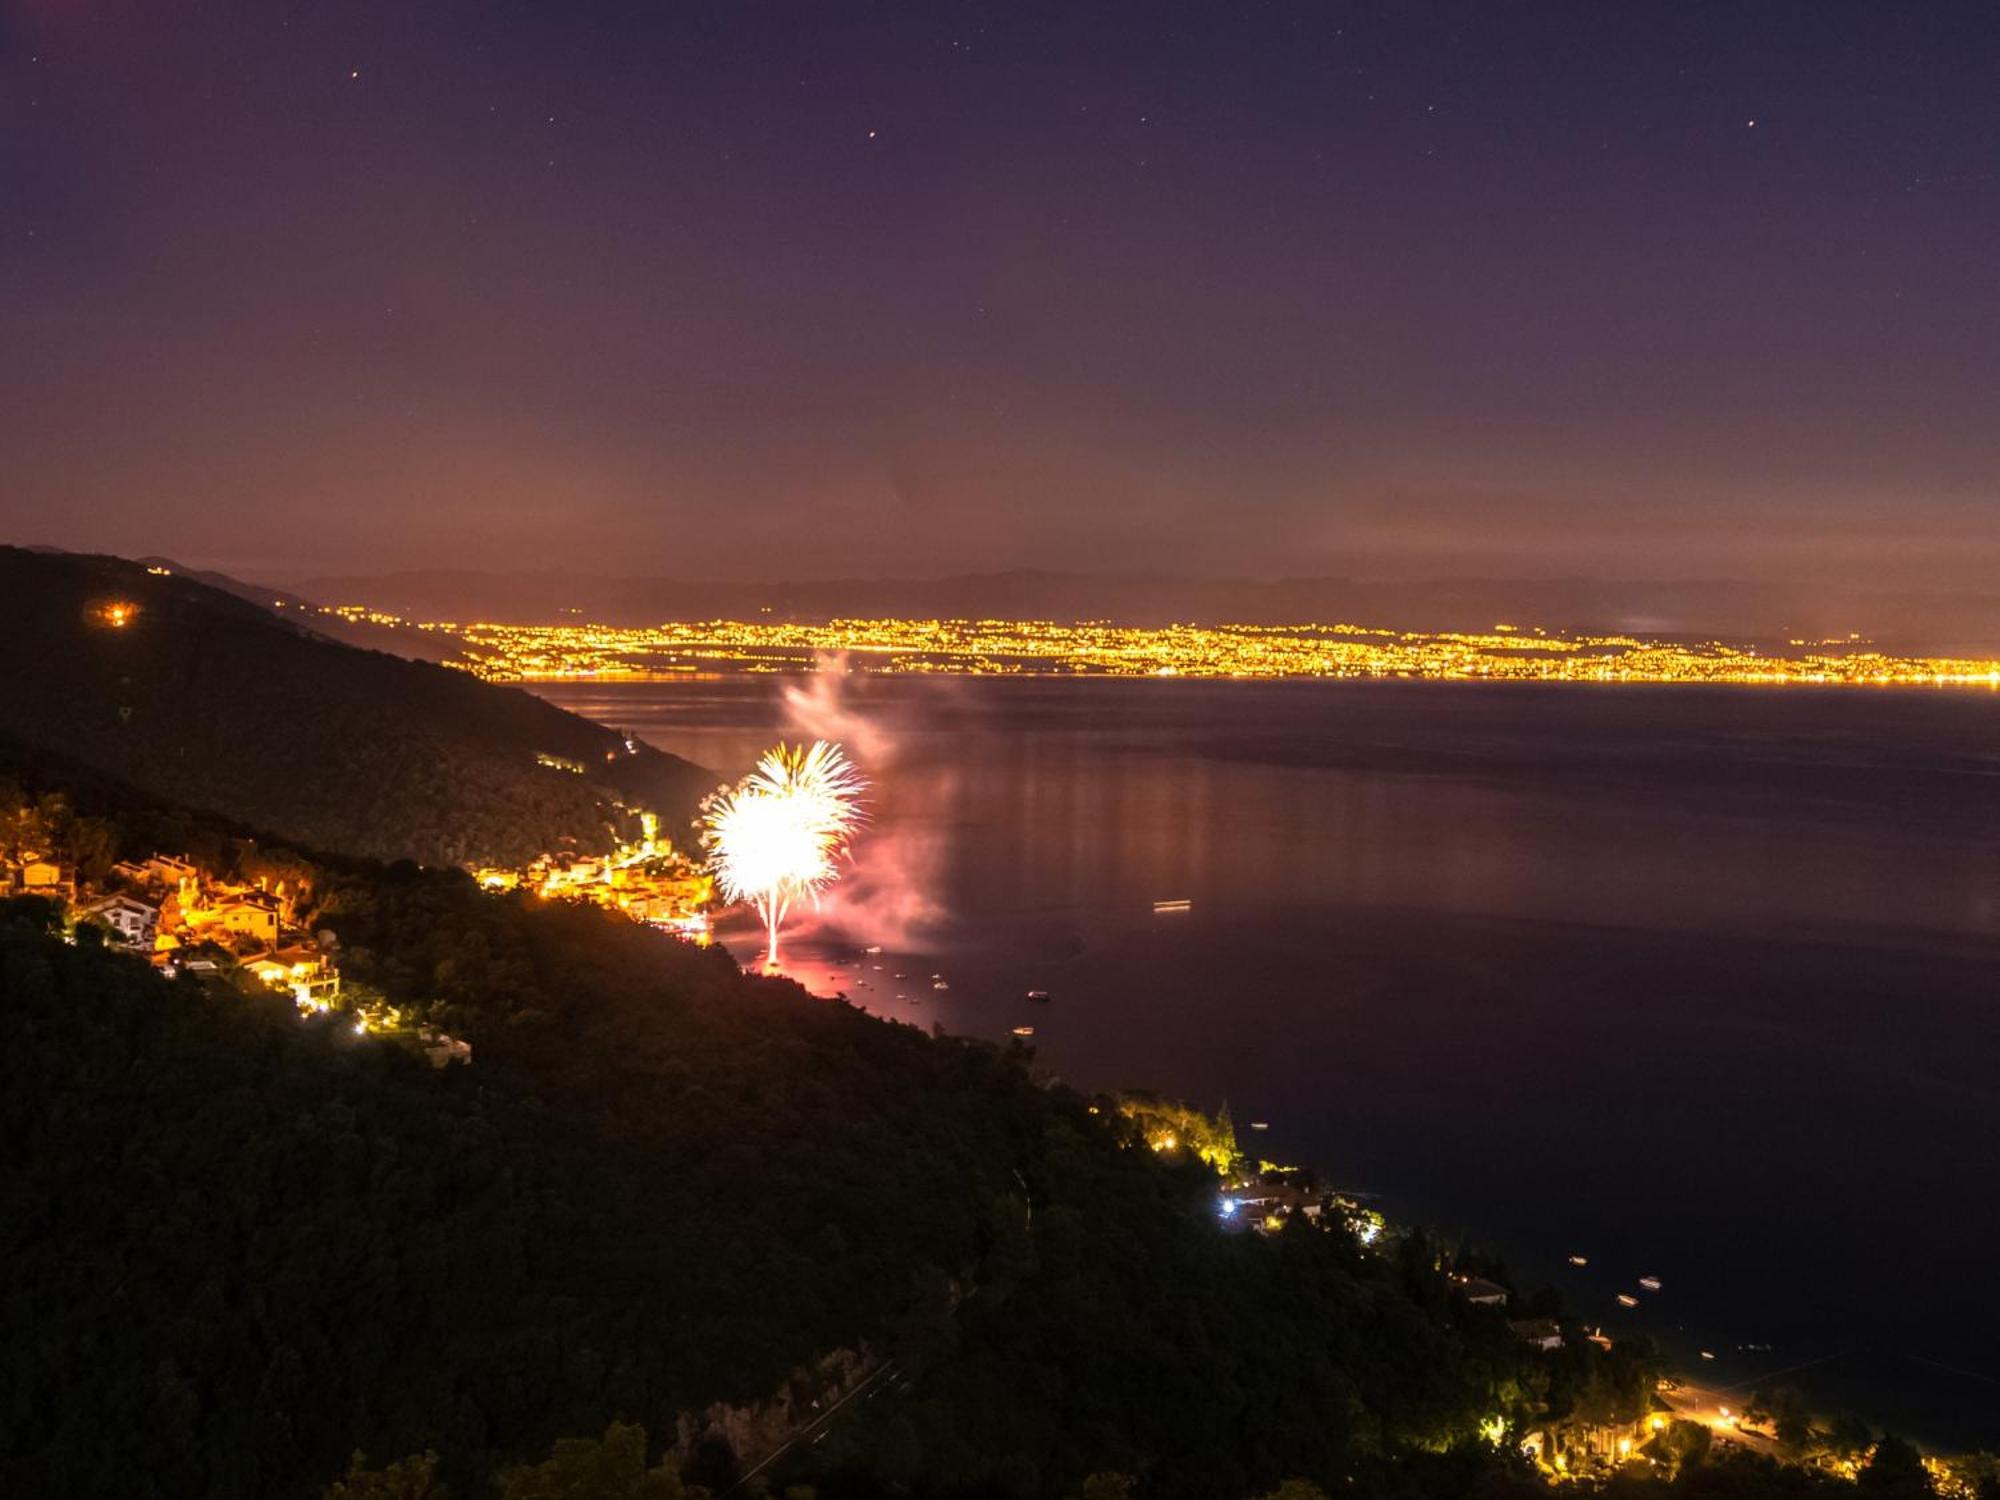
{"type": "Point", "coordinates": [402, 639]}
{"type": "Point", "coordinates": [210, 700]}
{"type": "Point", "coordinates": [240, 1244]}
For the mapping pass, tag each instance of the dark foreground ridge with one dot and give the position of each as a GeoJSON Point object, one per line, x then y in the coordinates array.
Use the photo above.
{"type": "Point", "coordinates": [781, 1243]}
{"type": "Point", "coordinates": [207, 699]}
{"type": "Point", "coordinates": [249, 1242]}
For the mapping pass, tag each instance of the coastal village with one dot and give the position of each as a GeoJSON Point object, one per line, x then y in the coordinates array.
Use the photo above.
{"type": "Point", "coordinates": [649, 881]}
{"type": "Point", "coordinates": [184, 918]}
{"type": "Point", "coordinates": [1642, 1417]}
{"type": "Point", "coordinates": [167, 909]}
{"type": "Point", "coordinates": [1657, 1423]}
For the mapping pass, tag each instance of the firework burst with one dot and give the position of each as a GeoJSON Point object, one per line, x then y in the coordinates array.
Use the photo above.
{"type": "Point", "coordinates": [777, 836]}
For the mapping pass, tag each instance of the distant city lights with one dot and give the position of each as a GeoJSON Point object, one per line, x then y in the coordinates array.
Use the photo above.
{"type": "Point", "coordinates": [1510, 653]}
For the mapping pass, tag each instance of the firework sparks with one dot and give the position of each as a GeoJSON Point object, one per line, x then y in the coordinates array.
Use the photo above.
{"type": "Point", "coordinates": [777, 836]}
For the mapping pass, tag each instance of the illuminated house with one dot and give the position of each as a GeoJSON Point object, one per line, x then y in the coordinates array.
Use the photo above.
{"type": "Point", "coordinates": [304, 973]}
{"type": "Point", "coordinates": [1265, 1205]}
{"type": "Point", "coordinates": [41, 876]}
{"type": "Point", "coordinates": [253, 915]}
{"type": "Point", "coordinates": [132, 921]}
{"type": "Point", "coordinates": [175, 881]}
{"type": "Point", "coordinates": [162, 870]}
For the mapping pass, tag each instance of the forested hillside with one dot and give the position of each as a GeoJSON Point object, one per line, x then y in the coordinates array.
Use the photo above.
{"type": "Point", "coordinates": [209, 700]}
{"type": "Point", "coordinates": [241, 1244]}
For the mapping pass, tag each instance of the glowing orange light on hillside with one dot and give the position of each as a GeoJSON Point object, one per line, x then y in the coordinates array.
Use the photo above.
{"type": "Point", "coordinates": [115, 614]}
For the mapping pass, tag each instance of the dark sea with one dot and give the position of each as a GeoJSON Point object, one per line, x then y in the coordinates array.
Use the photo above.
{"type": "Point", "coordinates": [1701, 984]}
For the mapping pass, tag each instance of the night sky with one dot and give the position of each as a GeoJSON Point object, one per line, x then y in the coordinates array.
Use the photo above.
{"type": "Point", "coordinates": [761, 290]}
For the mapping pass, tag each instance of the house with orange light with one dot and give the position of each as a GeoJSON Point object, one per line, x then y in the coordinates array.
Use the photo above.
{"type": "Point", "coordinates": [37, 874]}
{"type": "Point", "coordinates": [302, 972]}
{"type": "Point", "coordinates": [249, 914]}
{"type": "Point", "coordinates": [160, 873]}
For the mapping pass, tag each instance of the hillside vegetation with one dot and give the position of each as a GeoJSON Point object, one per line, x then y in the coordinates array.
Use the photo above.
{"type": "Point", "coordinates": [241, 1244]}
{"type": "Point", "coordinates": [212, 701]}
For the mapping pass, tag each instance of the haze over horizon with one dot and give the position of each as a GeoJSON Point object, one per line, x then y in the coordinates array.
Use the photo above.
{"type": "Point", "coordinates": [1967, 621]}
{"type": "Point", "coordinates": [1575, 292]}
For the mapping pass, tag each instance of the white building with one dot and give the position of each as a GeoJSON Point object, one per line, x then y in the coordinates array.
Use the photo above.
{"type": "Point", "coordinates": [134, 922]}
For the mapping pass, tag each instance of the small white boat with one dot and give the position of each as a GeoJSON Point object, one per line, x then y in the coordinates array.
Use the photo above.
{"type": "Point", "coordinates": [1626, 1299]}
{"type": "Point", "coordinates": [873, 948]}
{"type": "Point", "coordinates": [1162, 907]}
{"type": "Point", "coordinates": [1579, 1260]}
{"type": "Point", "coordinates": [1650, 1283]}
{"type": "Point", "coordinates": [1038, 994]}
{"type": "Point", "coordinates": [1024, 1031]}
{"type": "Point", "coordinates": [940, 985]}
{"type": "Point", "coordinates": [1260, 1124]}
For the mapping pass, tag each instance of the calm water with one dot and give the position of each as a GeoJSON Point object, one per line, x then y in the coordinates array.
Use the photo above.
{"type": "Point", "coordinates": [1700, 984]}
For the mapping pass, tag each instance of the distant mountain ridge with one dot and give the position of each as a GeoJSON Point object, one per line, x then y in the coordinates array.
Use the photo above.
{"type": "Point", "coordinates": [308, 616]}
{"type": "Point", "coordinates": [1968, 623]}
{"type": "Point", "coordinates": [198, 694]}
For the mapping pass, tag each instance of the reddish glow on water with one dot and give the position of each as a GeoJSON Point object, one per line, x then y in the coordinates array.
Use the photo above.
{"type": "Point", "coordinates": [1685, 979]}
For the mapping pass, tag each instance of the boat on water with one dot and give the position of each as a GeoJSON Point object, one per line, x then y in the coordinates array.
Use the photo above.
{"type": "Point", "coordinates": [1626, 1299]}
{"type": "Point", "coordinates": [1579, 1260]}
{"type": "Point", "coordinates": [1038, 994]}
{"type": "Point", "coordinates": [873, 948]}
{"type": "Point", "coordinates": [1024, 1031]}
{"type": "Point", "coordinates": [1260, 1124]}
{"type": "Point", "coordinates": [1160, 907]}
{"type": "Point", "coordinates": [1650, 1283]}
{"type": "Point", "coordinates": [939, 984]}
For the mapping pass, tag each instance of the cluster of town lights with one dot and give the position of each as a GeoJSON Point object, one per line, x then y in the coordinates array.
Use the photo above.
{"type": "Point", "coordinates": [515, 652]}
{"type": "Point", "coordinates": [649, 881]}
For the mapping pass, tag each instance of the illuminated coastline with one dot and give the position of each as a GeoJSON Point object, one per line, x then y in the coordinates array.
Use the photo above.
{"type": "Point", "coordinates": [517, 652]}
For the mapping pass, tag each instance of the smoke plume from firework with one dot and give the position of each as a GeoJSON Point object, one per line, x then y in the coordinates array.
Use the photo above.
{"type": "Point", "coordinates": [893, 894]}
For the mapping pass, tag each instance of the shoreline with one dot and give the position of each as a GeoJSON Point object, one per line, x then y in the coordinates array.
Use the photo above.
{"type": "Point", "coordinates": [1693, 1382]}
